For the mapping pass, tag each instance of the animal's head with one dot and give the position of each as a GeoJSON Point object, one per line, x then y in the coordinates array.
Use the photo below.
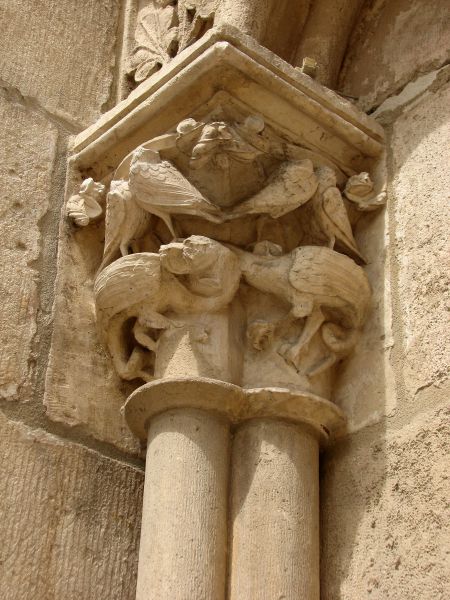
{"type": "Point", "coordinates": [360, 185]}
{"type": "Point", "coordinates": [193, 255]}
{"type": "Point", "coordinates": [119, 189]}
{"type": "Point", "coordinates": [210, 269]}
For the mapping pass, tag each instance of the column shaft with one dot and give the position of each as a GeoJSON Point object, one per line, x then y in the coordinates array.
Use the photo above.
{"type": "Point", "coordinates": [275, 512]}
{"type": "Point", "coordinates": [184, 526]}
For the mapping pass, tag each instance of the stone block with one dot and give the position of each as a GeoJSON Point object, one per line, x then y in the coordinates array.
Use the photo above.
{"type": "Point", "coordinates": [70, 519]}
{"type": "Point", "coordinates": [384, 499]}
{"type": "Point", "coordinates": [27, 156]}
{"type": "Point", "coordinates": [60, 53]}
{"type": "Point", "coordinates": [420, 199]}
{"type": "Point", "coordinates": [393, 43]}
{"type": "Point", "coordinates": [81, 384]}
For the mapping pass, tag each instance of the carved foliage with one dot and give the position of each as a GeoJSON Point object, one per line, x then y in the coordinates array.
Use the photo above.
{"type": "Point", "coordinates": [155, 37]}
{"type": "Point", "coordinates": [195, 18]}
{"type": "Point", "coordinates": [163, 29]}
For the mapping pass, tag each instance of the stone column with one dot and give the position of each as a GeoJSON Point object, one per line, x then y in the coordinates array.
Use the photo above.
{"type": "Point", "coordinates": [184, 524]}
{"type": "Point", "coordinates": [273, 520]}
{"type": "Point", "coordinates": [274, 512]}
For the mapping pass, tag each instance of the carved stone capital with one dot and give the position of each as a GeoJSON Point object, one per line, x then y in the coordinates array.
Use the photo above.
{"type": "Point", "coordinates": [225, 285]}
{"type": "Point", "coordinates": [233, 185]}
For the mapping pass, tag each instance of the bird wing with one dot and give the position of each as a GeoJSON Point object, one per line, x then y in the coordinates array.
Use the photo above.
{"type": "Point", "coordinates": [114, 219]}
{"type": "Point", "coordinates": [300, 181]}
{"type": "Point", "coordinates": [288, 188]}
{"type": "Point", "coordinates": [162, 186]}
{"type": "Point", "coordinates": [307, 271]}
{"type": "Point", "coordinates": [334, 208]}
{"type": "Point", "coordinates": [330, 276]}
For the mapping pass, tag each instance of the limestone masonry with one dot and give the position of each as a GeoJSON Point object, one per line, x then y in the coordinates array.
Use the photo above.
{"type": "Point", "coordinates": [224, 364]}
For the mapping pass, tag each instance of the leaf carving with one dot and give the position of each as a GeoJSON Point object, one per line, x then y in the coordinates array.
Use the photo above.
{"type": "Point", "coordinates": [195, 17]}
{"type": "Point", "coordinates": [155, 36]}
{"type": "Point", "coordinates": [162, 30]}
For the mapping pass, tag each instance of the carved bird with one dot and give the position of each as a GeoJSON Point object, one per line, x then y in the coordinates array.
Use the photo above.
{"type": "Point", "coordinates": [325, 288]}
{"type": "Point", "coordinates": [125, 222]}
{"type": "Point", "coordinates": [160, 189]}
{"type": "Point", "coordinates": [330, 214]}
{"type": "Point", "coordinates": [83, 207]}
{"type": "Point", "coordinates": [288, 188]}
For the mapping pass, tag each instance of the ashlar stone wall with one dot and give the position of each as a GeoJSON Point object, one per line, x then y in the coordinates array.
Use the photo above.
{"type": "Point", "coordinates": [384, 488]}
{"type": "Point", "coordinates": [69, 507]}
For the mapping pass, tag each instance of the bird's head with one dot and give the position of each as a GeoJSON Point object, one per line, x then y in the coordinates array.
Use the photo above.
{"type": "Point", "coordinates": [326, 177]}
{"type": "Point", "coordinates": [142, 154]}
{"type": "Point", "coordinates": [91, 188]}
{"type": "Point", "coordinates": [359, 185]}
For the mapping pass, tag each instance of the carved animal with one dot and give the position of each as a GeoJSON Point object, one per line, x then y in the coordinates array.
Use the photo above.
{"type": "Point", "coordinates": [159, 188]}
{"type": "Point", "coordinates": [125, 222]}
{"type": "Point", "coordinates": [359, 189]}
{"type": "Point", "coordinates": [288, 188]}
{"type": "Point", "coordinates": [141, 287]}
{"type": "Point", "coordinates": [330, 214]}
{"type": "Point", "coordinates": [84, 207]}
{"type": "Point", "coordinates": [326, 288]}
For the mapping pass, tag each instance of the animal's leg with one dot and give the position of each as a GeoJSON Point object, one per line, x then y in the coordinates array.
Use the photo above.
{"type": "Point", "coordinates": [143, 338]}
{"type": "Point", "coordinates": [321, 365]}
{"type": "Point", "coordinates": [312, 325]}
{"type": "Point", "coordinates": [132, 368]}
{"type": "Point", "coordinates": [124, 249]}
{"type": "Point", "coordinates": [331, 242]}
{"type": "Point", "coordinates": [260, 224]}
{"type": "Point", "coordinates": [149, 319]}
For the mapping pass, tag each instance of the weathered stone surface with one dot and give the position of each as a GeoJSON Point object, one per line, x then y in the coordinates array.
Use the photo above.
{"type": "Point", "coordinates": [60, 53]}
{"type": "Point", "coordinates": [393, 42]}
{"type": "Point", "coordinates": [365, 388]}
{"type": "Point", "coordinates": [27, 155]}
{"type": "Point", "coordinates": [384, 498]}
{"type": "Point", "coordinates": [276, 24]}
{"type": "Point", "coordinates": [81, 386]}
{"type": "Point", "coordinates": [421, 183]}
{"type": "Point", "coordinates": [325, 35]}
{"type": "Point", "coordinates": [70, 520]}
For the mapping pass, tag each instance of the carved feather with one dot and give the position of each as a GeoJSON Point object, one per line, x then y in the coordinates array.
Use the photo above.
{"type": "Point", "coordinates": [125, 222]}
{"type": "Point", "coordinates": [161, 189]}
{"type": "Point", "coordinates": [332, 215]}
{"type": "Point", "coordinates": [291, 186]}
{"type": "Point", "coordinates": [332, 278]}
